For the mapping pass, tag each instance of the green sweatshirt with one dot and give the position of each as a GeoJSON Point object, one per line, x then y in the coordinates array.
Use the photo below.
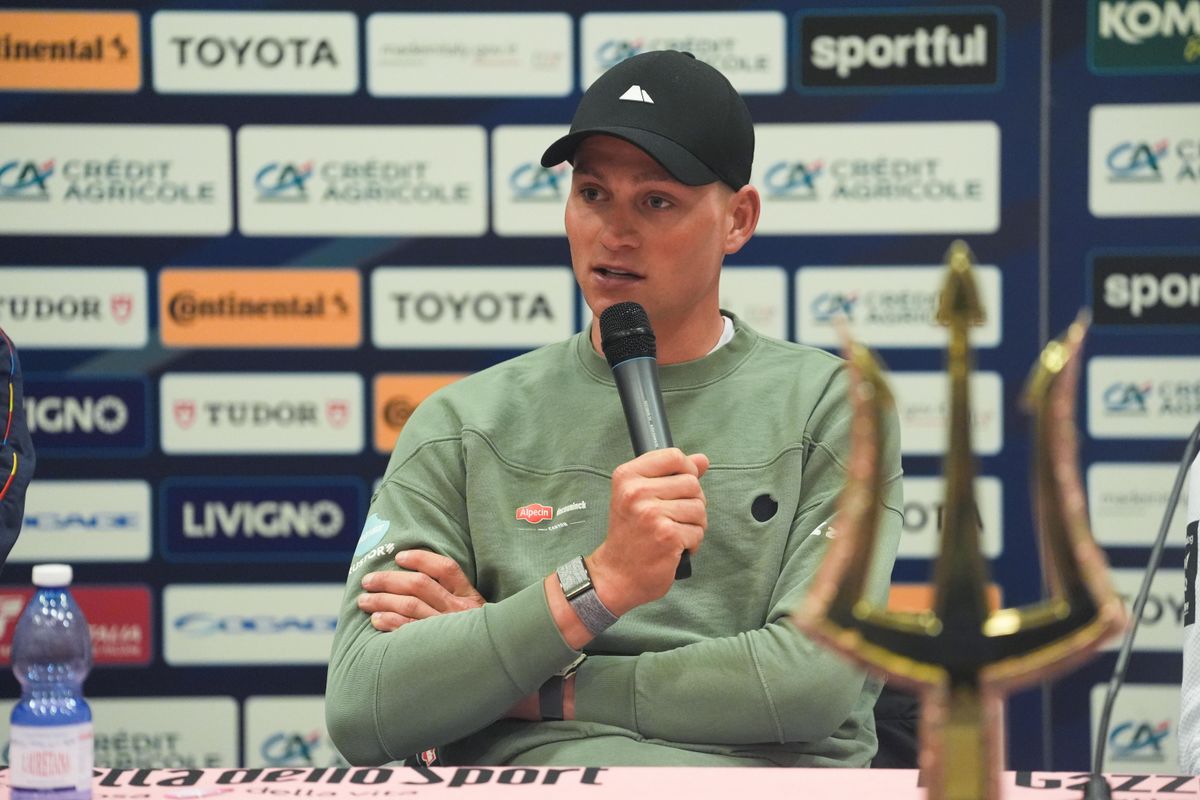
{"type": "Point", "coordinates": [508, 473]}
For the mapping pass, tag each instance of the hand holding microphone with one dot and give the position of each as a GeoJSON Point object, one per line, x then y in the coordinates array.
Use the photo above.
{"type": "Point", "coordinates": [657, 510]}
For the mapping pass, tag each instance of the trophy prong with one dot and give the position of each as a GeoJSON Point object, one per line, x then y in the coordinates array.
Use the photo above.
{"type": "Point", "coordinates": [961, 654]}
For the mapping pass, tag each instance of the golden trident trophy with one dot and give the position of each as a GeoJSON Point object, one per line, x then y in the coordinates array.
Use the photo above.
{"type": "Point", "coordinates": [960, 655]}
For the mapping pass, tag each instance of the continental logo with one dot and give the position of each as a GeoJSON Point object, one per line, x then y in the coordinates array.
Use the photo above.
{"type": "Point", "coordinates": [260, 308]}
{"type": "Point", "coordinates": [73, 51]}
{"type": "Point", "coordinates": [397, 396]}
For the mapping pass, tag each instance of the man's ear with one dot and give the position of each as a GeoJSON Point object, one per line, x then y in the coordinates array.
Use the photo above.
{"type": "Point", "coordinates": [743, 211]}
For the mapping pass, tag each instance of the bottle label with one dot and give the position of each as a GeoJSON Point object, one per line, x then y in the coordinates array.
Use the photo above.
{"type": "Point", "coordinates": [51, 756]}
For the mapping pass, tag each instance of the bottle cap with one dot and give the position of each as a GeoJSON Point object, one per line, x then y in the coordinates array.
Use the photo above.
{"type": "Point", "coordinates": [52, 575]}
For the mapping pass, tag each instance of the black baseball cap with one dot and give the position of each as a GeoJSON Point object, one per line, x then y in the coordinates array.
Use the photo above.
{"type": "Point", "coordinates": [685, 114]}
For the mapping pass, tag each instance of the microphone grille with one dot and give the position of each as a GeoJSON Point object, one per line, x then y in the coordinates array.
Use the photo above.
{"type": "Point", "coordinates": [625, 333]}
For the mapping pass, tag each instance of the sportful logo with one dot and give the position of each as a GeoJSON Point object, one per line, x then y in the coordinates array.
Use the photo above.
{"type": "Point", "coordinates": [885, 51]}
{"type": "Point", "coordinates": [637, 94]}
{"type": "Point", "coordinates": [1146, 289]}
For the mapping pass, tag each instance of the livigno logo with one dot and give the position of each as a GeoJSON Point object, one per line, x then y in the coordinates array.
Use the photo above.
{"type": "Point", "coordinates": [1144, 36]}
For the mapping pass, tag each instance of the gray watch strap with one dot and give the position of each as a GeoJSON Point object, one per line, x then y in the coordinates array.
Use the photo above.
{"type": "Point", "coordinates": [595, 617]}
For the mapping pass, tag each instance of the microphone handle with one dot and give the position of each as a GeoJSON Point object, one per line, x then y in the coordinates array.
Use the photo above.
{"type": "Point", "coordinates": [646, 418]}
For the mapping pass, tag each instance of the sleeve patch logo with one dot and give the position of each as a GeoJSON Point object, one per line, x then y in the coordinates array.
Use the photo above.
{"type": "Point", "coordinates": [372, 533]}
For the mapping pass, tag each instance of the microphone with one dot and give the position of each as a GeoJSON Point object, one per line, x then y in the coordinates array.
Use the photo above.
{"type": "Point", "coordinates": [1097, 787]}
{"type": "Point", "coordinates": [628, 343]}
{"type": "Point", "coordinates": [1189, 716]}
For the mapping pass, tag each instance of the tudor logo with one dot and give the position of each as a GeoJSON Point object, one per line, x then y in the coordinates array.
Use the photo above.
{"type": "Point", "coordinates": [122, 307]}
{"type": "Point", "coordinates": [535, 513]}
{"type": "Point", "coordinates": [337, 412]}
{"type": "Point", "coordinates": [185, 412]}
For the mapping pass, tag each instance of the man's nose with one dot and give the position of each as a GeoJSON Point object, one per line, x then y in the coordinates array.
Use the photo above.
{"type": "Point", "coordinates": [619, 231]}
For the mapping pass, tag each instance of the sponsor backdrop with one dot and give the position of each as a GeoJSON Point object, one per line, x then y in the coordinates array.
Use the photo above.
{"type": "Point", "coordinates": [242, 241]}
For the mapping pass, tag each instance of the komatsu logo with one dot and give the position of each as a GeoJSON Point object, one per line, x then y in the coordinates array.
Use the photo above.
{"type": "Point", "coordinates": [323, 519]}
{"type": "Point", "coordinates": [1134, 23]}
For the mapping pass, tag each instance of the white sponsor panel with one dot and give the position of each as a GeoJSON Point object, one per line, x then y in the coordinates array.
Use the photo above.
{"type": "Point", "coordinates": [757, 295]}
{"type": "Point", "coordinates": [922, 402]}
{"type": "Point", "coordinates": [1126, 503]}
{"type": "Point", "coordinates": [1143, 731]}
{"type": "Point", "coordinates": [287, 731]}
{"type": "Point", "coordinates": [249, 624]}
{"type": "Point", "coordinates": [486, 307]}
{"type": "Point", "coordinates": [1148, 397]}
{"type": "Point", "coordinates": [923, 498]}
{"type": "Point", "coordinates": [1143, 737]}
{"type": "Point", "coordinates": [1144, 160]}
{"type": "Point", "coordinates": [910, 177]}
{"type": "Point", "coordinates": [887, 306]}
{"type": "Point", "coordinates": [74, 307]}
{"type": "Point", "coordinates": [527, 198]}
{"type": "Point", "coordinates": [80, 521]}
{"type": "Point", "coordinates": [113, 180]}
{"type": "Point", "coordinates": [265, 413]}
{"type": "Point", "coordinates": [748, 47]}
{"type": "Point", "coordinates": [362, 180]}
{"type": "Point", "coordinates": [158, 733]}
{"type": "Point", "coordinates": [255, 52]}
{"type": "Point", "coordinates": [1161, 628]}
{"type": "Point", "coordinates": [470, 55]}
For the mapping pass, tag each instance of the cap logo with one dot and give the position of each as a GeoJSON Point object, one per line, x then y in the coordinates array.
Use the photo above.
{"type": "Point", "coordinates": [637, 94]}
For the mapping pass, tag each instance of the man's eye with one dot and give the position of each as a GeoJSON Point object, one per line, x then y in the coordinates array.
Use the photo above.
{"type": "Point", "coordinates": [655, 201]}
{"type": "Point", "coordinates": [589, 193]}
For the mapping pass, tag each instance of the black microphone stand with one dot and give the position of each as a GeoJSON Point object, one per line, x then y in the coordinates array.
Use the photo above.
{"type": "Point", "coordinates": [1097, 786]}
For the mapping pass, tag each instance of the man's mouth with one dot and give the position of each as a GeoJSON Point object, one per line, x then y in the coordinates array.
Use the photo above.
{"type": "Point", "coordinates": [610, 272]}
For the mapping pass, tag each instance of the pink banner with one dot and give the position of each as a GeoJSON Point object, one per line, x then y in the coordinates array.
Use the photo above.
{"type": "Point", "coordinates": [592, 783]}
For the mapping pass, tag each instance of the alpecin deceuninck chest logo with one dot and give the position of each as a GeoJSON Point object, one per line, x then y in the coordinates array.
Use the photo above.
{"type": "Point", "coordinates": [534, 513]}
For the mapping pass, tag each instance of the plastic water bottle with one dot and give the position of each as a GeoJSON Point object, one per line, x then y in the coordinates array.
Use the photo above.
{"type": "Point", "coordinates": [50, 750]}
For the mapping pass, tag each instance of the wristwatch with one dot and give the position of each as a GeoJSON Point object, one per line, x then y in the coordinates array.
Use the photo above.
{"type": "Point", "coordinates": [550, 696]}
{"type": "Point", "coordinates": [581, 594]}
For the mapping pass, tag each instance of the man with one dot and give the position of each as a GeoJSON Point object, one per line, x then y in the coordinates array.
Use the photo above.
{"type": "Point", "coordinates": [16, 449]}
{"type": "Point", "coordinates": [500, 483]}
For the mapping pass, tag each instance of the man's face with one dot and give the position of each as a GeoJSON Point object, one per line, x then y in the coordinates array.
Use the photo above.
{"type": "Point", "coordinates": [638, 234]}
